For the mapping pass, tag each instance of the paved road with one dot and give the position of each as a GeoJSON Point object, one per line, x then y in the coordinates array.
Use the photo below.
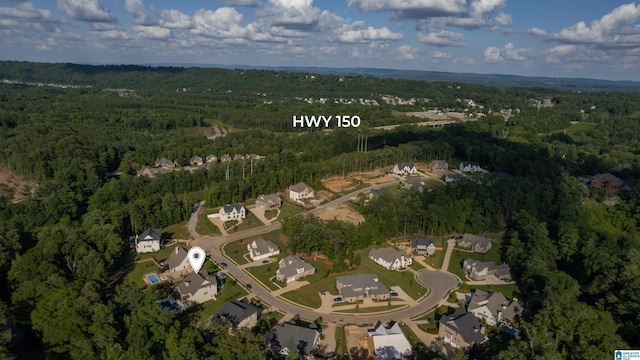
{"type": "Point", "coordinates": [439, 282]}
{"type": "Point", "coordinates": [193, 220]}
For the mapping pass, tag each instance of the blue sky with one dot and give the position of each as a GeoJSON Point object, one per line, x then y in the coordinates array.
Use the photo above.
{"type": "Point", "coordinates": [561, 38]}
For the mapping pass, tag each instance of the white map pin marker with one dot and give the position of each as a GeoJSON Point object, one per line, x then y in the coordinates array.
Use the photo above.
{"type": "Point", "coordinates": [196, 258]}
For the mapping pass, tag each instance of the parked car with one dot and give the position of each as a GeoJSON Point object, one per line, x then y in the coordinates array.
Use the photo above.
{"type": "Point", "coordinates": [393, 293]}
{"type": "Point", "coordinates": [248, 286]}
{"type": "Point", "coordinates": [224, 265]}
{"type": "Point", "coordinates": [323, 293]}
{"type": "Point", "coordinates": [265, 261]}
{"type": "Point", "coordinates": [337, 299]}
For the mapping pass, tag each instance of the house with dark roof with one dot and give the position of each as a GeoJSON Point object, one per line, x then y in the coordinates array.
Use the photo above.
{"type": "Point", "coordinates": [423, 246]}
{"type": "Point", "coordinates": [389, 341]}
{"type": "Point", "coordinates": [470, 166]}
{"type": "Point", "coordinates": [292, 268]}
{"type": "Point", "coordinates": [606, 181]}
{"type": "Point", "coordinates": [165, 163]}
{"type": "Point", "coordinates": [268, 202]}
{"type": "Point", "coordinates": [198, 288]}
{"type": "Point", "coordinates": [294, 338]}
{"type": "Point", "coordinates": [196, 160]}
{"type": "Point", "coordinates": [461, 330]}
{"type": "Point", "coordinates": [438, 165]}
{"type": "Point", "coordinates": [357, 287]}
{"type": "Point", "coordinates": [476, 243]}
{"type": "Point", "coordinates": [404, 168]}
{"type": "Point", "coordinates": [232, 212]}
{"type": "Point", "coordinates": [260, 249]}
{"type": "Point", "coordinates": [178, 262]}
{"type": "Point", "coordinates": [211, 158]}
{"type": "Point", "coordinates": [477, 270]}
{"type": "Point", "coordinates": [494, 308]}
{"type": "Point", "coordinates": [415, 184]}
{"type": "Point", "coordinates": [242, 314]}
{"type": "Point", "coordinates": [225, 158]}
{"type": "Point", "coordinates": [449, 178]}
{"type": "Point", "coordinates": [301, 191]}
{"type": "Point", "coordinates": [149, 240]}
{"type": "Point", "coordinates": [374, 193]}
{"type": "Point", "coordinates": [390, 258]}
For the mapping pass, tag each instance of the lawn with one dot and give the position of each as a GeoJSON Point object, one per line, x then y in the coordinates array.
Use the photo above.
{"type": "Point", "coordinates": [236, 250]}
{"type": "Point", "coordinates": [161, 255]}
{"type": "Point", "coordinates": [508, 290]}
{"type": "Point", "coordinates": [437, 259]}
{"type": "Point", "coordinates": [288, 210]}
{"type": "Point", "coordinates": [205, 226]}
{"type": "Point", "coordinates": [365, 310]}
{"type": "Point", "coordinates": [277, 315]}
{"type": "Point", "coordinates": [264, 273]}
{"type": "Point", "coordinates": [433, 183]}
{"type": "Point", "coordinates": [230, 291]}
{"type": "Point", "coordinates": [309, 295]}
{"type": "Point", "coordinates": [138, 270]}
{"type": "Point", "coordinates": [177, 231]}
{"type": "Point", "coordinates": [340, 343]}
{"type": "Point", "coordinates": [411, 336]}
{"type": "Point", "coordinates": [416, 266]}
{"type": "Point", "coordinates": [404, 279]}
{"type": "Point", "coordinates": [458, 256]}
{"type": "Point", "coordinates": [248, 222]}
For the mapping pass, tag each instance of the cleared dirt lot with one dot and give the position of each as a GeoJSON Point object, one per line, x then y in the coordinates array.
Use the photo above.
{"type": "Point", "coordinates": [340, 184]}
{"type": "Point", "coordinates": [359, 344]}
{"type": "Point", "coordinates": [15, 185]}
{"type": "Point", "coordinates": [341, 212]}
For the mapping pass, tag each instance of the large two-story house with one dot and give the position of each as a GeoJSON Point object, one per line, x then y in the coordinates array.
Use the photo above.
{"type": "Point", "coordinates": [404, 168]}
{"type": "Point", "coordinates": [494, 308]}
{"type": "Point", "coordinates": [353, 288]}
{"type": "Point", "coordinates": [260, 249]}
{"type": "Point", "coordinates": [390, 258]}
{"type": "Point", "coordinates": [477, 270]}
{"type": "Point", "coordinates": [198, 288]}
{"type": "Point", "coordinates": [461, 330]}
{"type": "Point", "coordinates": [292, 268]}
{"type": "Point", "coordinates": [232, 212]}
{"type": "Point", "coordinates": [268, 202]}
{"type": "Point", "coordinates": [301, 191]}
{"type": "Point", "coordinates": [149, 240]}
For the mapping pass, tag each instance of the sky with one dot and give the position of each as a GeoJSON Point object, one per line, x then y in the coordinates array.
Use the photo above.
{"type": "Point", "coordinates": [560, 38]}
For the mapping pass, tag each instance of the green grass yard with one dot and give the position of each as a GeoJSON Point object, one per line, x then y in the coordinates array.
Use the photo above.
{"type": "Point", "coordinates": [340, 342]}
{"type": "Point", "coordinates": [236, 250]}
{"type": "Point", "coordinates": [161, 255]}
{"type": "Point", "coordinates": [459, 255]}
{"type": "Point", "coordinates": [508, 290]}
{"type": "Point", "coordinates": [177, 231]}
{"type": "Point", "coordinates": [231, 290]}
{"type": "Point", "coordinates": [437, 259]}
{"type": "Point", "coordinates": [264, 273]}
{"type": "Point", "coordinates": [365, 310]}
{"type": "Point", "coordinates": [138, 271]}
{"type": "Point", "coordinates": [205, 226]}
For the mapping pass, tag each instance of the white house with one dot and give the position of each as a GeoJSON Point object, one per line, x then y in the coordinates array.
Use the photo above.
{"type": "Point", "coordinates": [149, 241]}
{"type": "Point", "coordinates": [423, 246]}
{"type": "Point", "coordinates": [405, 168]}
{"type": "Point", "coordinates": [301, 191]}
{"type": "Point", "coordinates": [178, 263]}
{"type": "Point", "coordinates": [260, 249]}
{"type": "Point", "coordinates": [292, 268]}
{"type": "Point", "coordinates": [232, 212]}
{"type": "Point", "coordinates": [390, 258]}
{"type": "Point", "coordinates": [470, 166]}
{"type": "Point", "coordinates": [268, 202]}
{"type": "Point", "coordinates": [198, 287]}
{"type": "Point", "coordinates": [389, 342]}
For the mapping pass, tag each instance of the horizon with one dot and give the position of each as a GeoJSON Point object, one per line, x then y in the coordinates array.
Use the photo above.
{"type": "Point", "coordinates": [578, 39]}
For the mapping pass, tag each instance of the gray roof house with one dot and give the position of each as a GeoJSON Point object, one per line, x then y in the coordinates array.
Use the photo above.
{"type": "Point", "coordinates": [415, 184]}
{"type": "Point", "coordinates": [260, 249]}
{"type": "Point", "coordinates": [423, 246]}
{"type": "Point", "coordinates": [378, 192]}
{"type": "Point", "coordinates": [477, 270]}
{"type": "Point", "coordinates": [196, 160]}
{"type": "Point", "coordinates": [361, 286]}
{"type": "Point", "coordinates": [301, 191]}
{"type": "Point", "coordinates": [268, 202]}
{"type": "Point", "coordinates": [232, 212]}
{"type": "Point", "coordinates": [470, 166]}
{"type": "Point", "coordinates": [494, 308]}
{"type": "Point", "coordinates": [476, 243]}
{"type": "Point", "coordinates": [294, 338]}
{"type": "Point", "coordinates": [211, 158]}
{"type": "Point", "coordinates": [461, 330]}
{"type": "Point", "coordinates": [165, 163]}
{"type": "Point", "coordinates": [438, 165]}
{"type": "Point", "coordinates": [292, 268]}
{"type": "Point", "coordinates": [404, 168]}
{"type": "Point", "coordinates": [242, 314]}
{"type": "Point", "coordinates": [178, 263]}
{"type": "Point", "coordinates": [198, 287]}
{"type": "Point", "coordinates": [149, 240]}
{"type": "Point", "coordinates": [390, 258]}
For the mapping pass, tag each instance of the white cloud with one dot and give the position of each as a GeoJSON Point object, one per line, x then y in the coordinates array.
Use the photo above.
{"type": "Point", "coordinates": [175, 19]}
{"type": "Point", "coordinates": [440, 55]}
{"type": "Point", "coordinates": [248, 3]}
{"type": "Point", "coordinates": [108, 31]}
{"type": "Point", "coordinates": [615, 29]}
{"type": "Point", "coordinates": [411, 9]}
{"type": "Point", "coordinates": [298, 15]}
{"type": "Point", "coordinates": [406, 52]}
{"type": "Point", "coordinates": [86, 10]}
{"type": "Point", "coordinates": [223, 23]}
{"type": "Point", "coordinates": [368, 34]}
{"type": "Point", "coordinates": [151, 32]}
{"type": "Point", "coordinates": [27, 11]}
{"type": "Point", "coordinates": [493, 54]}
{"type": "Point", "coordinates": [441, 38]}
{"type": "Point", "coordinates": [141, 15]}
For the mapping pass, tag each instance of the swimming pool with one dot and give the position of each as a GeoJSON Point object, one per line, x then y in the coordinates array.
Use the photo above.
{"type": "Point", "coordinates": [153, 278]}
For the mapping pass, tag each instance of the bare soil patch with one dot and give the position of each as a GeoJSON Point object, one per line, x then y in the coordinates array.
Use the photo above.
{"type": "Point", "coordinates": [341, 184]}
{"type": "Point", "coordinates": [16, 186]}
{"type": "Point", "coordinates": [341, 212]}
{"type": "Point", "coordinates": [358, 341]}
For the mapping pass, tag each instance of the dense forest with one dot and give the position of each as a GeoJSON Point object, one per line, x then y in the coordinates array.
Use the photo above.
{"type": "Point", "coordinates": [62, 250]}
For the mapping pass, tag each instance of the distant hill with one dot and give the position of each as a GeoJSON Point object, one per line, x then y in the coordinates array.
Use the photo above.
{"type": "Point", "coordinates": [501, 80]}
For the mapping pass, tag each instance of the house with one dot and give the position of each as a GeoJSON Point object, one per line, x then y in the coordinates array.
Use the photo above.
{"type": "Point", "coordinates": [238, 157]}
{"type": "Point", "coordinates": [494, 308]}
{"type": "Point", "coordinates": [438, 165]}
{"type": "Point", "coordinates": [149, 241]}
{"type": "Point", "coordinates": [423, 246]}
{"type": "Point", "coordinates": [476, 243]}
{"type": "Point", "coordinates": [260, 249]}
{"type": "Point", "coordinates": [415, 184]}
{"type": "Point", "coordinates": [353, 288]}
{"type": "Point", "coordinates": [470, 166]}
{"type": "Point", "coordinates": [198, 288]}
{"type": "Point", "coordinates": [390, 258]}
{"type": "Point", "coordinates": [178, 263]}
{"type": "Point", "coordinates": [225, 158]}
{"type": "Point", "coordinates": [242, 314]}
{"type": "Point", "coordinates": [294, 338]}
{"type": "Point", "coordinates": [301, 191]}
{"type": "Point", "coordinates": [607, 181]}
{"type": "Point", "coordinates": [461, 330]}
{"type": "Point", "coordinates": [268, 202]}
{"type": "Point", "coordinates": [211, 159]}
{"type": "Point", "coordinates": [378, 192]}
{"type": "Point", "coordinates": [232, 212]}
{"type": "Point", "coordinates": [152, 172]}
{"type": "Point", "coordinates": [292, 268]}
{"type": "Point", "coordinates": [405, 168]}
{"type": "Point", "coordinates": [165, 163]}
{"type": "Point", "coordinates": [477, 270]}
{"type": "Point", "coordinates": [449, 178]}
{"type": "Point", "coordinates": [389, 342]}
{"type": "Point", "coordinates": [196, 160]}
